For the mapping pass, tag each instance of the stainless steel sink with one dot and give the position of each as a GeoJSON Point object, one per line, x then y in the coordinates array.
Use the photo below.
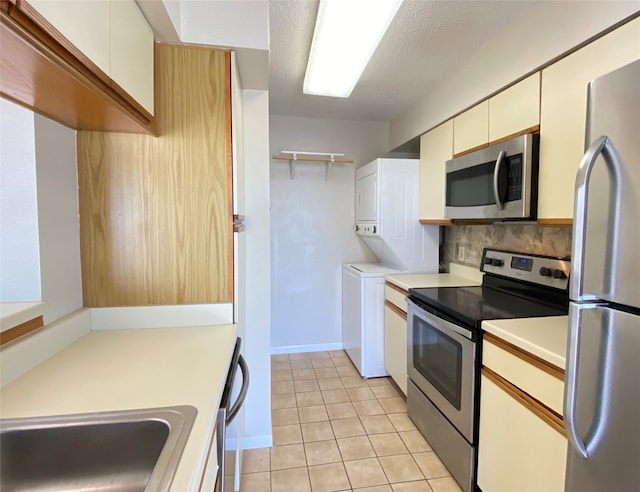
{"type": "Point", "coordinates": [131, 450]}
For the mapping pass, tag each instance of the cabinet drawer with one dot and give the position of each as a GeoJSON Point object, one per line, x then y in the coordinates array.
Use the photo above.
{"type": "Point", "coordinates": [396, 295]}
{"type": "Point", "coordinates": [543, 382]}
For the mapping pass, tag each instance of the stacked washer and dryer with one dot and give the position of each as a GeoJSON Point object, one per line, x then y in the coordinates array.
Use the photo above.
{"type": "Point", "coordinates": [386, 212]}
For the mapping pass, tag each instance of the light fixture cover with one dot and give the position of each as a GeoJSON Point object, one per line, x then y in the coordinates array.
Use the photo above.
{"type": "Point", "coordinates": [347, 33]}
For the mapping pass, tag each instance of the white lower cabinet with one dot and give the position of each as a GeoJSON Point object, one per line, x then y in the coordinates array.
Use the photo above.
{"type": "Point", "coordinates": [395, 346]}
{"type": "Point", "coordinates": [517, 450]}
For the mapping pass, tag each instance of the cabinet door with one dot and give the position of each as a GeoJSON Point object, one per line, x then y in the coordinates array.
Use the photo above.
{"type": "Point", "coordinates": [132, 52]}
{"type": "Point", "coordinates": [395, 345]}
{"type": "Point", "coordinates": [471, 128]}
{"type": "Point", "coordinates": [515, 109]}
{"type": "Point", "coordinates": [84, 24]}
{"type": "Point", "coordinates": [517, 450]}
{"type": "Point", "coordinates": [563, 114]}
{"type": "Point", "coordinates": [366, 198]}
{"type": "Point", "coordinates": [436, 147]}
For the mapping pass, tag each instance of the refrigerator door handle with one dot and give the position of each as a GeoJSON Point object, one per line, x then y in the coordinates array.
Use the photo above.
{"type": "Point", "coordinates": [604, 146]}
{"type": "Point", "coordinates": [571, 384]}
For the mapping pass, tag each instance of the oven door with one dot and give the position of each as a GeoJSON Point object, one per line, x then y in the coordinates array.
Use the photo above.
{"type": "Point", "coordinates": [441, 361]}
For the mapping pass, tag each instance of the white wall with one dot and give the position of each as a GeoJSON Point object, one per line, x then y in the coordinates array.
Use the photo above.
{"type": "Point", "coordinates": [58, 217]}
{"type": "Point", "coordinates": [312, 228]}
{"type": "Point", "coordinates": [548, 31]}
{"type": "Point", "coordinates": [19, 252]}
{"type": "Point", "coordinates": [257, 308]}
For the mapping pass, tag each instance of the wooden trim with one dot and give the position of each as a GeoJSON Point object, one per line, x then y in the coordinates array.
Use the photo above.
{"type": "Point", "coordinates": [532, 129]}
{"type": "Point", "coordinates": [396, 287]}
{"type": "Point", "coordinates": [395, 309]}
{"type": "Point", "coordinates": [310, 159]}
{"type": "Point", "coordinates": [20, 330]}
{"type": "Point", "coordinates": [469, 151]}
{"type": "Point", "coordinates": [229, 143]}
{"type": "Point", "coordinates": [527, 357]}
{"type": "Point", "coordinates": [39, 64]}
{"type": "Point", "coordinates": [442, 222]}
{"type": "Point", "coordinates": [568, 222]}
{"type": "Point", "coordinates": [206, 461]}
{"type": "Point", "coordinates": [547, 415]}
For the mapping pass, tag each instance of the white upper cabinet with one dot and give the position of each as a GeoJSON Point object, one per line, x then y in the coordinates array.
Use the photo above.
{"type": "Point", "coordinates": [515, 109]}
{"type": "Point", "coordinates": [84, 24]}
{"type": "Point", "coordinates": [471, 128]}
{"type": "Point", "coordinates": [563, 114]}
{"type": "Point", "coordinates": [436, 147]}
{"type": "Point", "coordinates": [132, 52]}
{"type": "Point", "coordinates": [114, 35]}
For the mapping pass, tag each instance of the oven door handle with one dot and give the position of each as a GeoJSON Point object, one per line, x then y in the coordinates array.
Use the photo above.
{"type": "Point", "coordinates": [440, 323]}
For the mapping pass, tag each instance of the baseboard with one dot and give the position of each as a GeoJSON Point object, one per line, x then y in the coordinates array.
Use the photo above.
{"type": "Point", "coordinates": [161, 316]}
{"type": "Point", "coordinates": [294, 349]}
{"type": "Point", "coordinates": [250, 442]}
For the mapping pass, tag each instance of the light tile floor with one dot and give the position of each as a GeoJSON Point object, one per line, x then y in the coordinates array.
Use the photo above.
{"type": "Point", "coordinates": [335, 431]}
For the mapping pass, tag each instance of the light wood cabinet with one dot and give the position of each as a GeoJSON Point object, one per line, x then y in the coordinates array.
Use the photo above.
{"type": "Point", "coordinates": [156, 213]}
{"type": "Point", "coordinates": [515, 109]}
{"type": "Point", "coordinates": [131, 52]}
{"type": "Point", "coordinates": [436, 147]}
{"type": "Point", "coordinates": [563, 114]}
{"type": "Point", "coordinates": [395, 335]}
{"type": "Point", "coordinates": [471, 128]}
{"type": "Point", "coordinates": [521, 443]}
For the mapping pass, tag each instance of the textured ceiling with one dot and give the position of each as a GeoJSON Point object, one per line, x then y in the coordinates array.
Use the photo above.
{"type": "Point", "coordinates": [426, 40]}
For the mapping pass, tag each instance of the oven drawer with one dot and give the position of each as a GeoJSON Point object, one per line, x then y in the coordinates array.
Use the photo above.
{"type": "Point", "coordinates": [538, 378]}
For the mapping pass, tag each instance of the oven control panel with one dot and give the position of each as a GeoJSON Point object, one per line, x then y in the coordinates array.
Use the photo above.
{"type": "Point", "coordinates": [538, 269]}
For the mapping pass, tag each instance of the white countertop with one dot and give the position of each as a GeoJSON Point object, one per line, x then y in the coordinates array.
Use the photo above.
{"type": "Point", "coordinates": [13, 314]}
{"type": "Point", "coordinates": [129, 369]}
{"type": "Point", "coordinates": [420, 280]}
{"type": "Point", "coordinates": [545, 337]}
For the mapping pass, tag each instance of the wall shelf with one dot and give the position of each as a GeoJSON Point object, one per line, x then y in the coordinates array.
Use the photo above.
{"type": "Point", "coordinates": [294, 156]}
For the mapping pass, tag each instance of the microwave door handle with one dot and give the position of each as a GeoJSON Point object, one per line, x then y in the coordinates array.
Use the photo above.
{"type": "Point", "coordinates": [496, 180]}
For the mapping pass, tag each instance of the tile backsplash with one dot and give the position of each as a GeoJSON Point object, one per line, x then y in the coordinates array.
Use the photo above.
{"type": "Point", "coordinates": [463, 244]}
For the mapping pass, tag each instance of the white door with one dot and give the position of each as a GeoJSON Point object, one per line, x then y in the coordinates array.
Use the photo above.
{"type": "Point", "coordinates": [366, 198]}
{"type": "Point", "coordinates": [352, 316]}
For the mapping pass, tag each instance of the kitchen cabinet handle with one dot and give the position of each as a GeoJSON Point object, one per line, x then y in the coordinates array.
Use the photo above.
{"type": "Point", "coordinates": [235, 408]}
{"type": "Point", "coordinates": [496, 179]}
{"type": "Point", "coordinates": [599, 146]}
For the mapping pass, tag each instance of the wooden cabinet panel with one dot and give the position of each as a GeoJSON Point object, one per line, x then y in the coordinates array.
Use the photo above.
{"type": "Point", "coordinates": [131, 52]}
{"type": "Point", "coordinates": [155, 213]}
{"type": "Point", "coordinates": [471, 128]}
{"type": "Point", "coordinates": [515, 109]}
{"type": "Point", "coordinates": [436, 147]}
{"type": "Point", "coordinates": [85, 24]}
{"type": "Point", "coordinates": [395, 346]}
{"type": "Point", "coordinates": [563, 114]}
{"type": "Point", "coordinates": [517, 450]}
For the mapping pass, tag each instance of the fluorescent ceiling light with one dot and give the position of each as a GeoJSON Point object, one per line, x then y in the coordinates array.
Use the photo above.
{"type": "Point", "coordinates": [346, 35]}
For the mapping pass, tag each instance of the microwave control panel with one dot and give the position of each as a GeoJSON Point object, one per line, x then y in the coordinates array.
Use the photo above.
{"type": "Point", "coordinates": [549, 271]}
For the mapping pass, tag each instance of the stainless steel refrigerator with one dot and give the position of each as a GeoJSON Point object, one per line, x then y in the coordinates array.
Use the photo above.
{"type": "Point", "coordinates": [602, 390]}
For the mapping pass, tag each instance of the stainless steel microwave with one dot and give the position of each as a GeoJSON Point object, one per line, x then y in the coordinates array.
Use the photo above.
{"type": "Point", "coordinates": [499, 182]}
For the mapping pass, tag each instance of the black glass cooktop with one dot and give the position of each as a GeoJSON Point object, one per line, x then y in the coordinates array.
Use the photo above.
{"type": "Point", "coordinates": [505, 300]}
